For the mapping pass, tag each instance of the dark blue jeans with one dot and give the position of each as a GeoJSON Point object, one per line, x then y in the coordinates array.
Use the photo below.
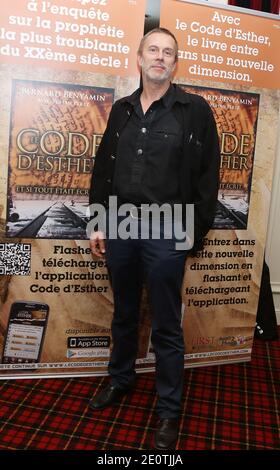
{"type": "Point", "coordinates": [129, 263]}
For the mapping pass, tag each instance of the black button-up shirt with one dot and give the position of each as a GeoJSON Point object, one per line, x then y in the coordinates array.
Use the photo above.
{"type": "Point", "coordinates": [149, 153]}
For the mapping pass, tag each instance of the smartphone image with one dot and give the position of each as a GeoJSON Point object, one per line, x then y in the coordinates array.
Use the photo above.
{"type": "Point", "coordinates": [25, 332]}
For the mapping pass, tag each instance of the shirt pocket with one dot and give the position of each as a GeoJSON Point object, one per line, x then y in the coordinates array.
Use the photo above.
{"type": "Point", "coordinates": [167, 142]}
{"type": "Point", "coordinates": [165, 134]}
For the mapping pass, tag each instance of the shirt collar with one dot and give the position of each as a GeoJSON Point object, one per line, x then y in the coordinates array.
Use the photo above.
{"type": "Point", "coordinates": [173, 94]}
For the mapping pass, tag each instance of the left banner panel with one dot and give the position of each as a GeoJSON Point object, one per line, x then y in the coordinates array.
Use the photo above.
{"type": "Point", "coordinates": [62, 65]}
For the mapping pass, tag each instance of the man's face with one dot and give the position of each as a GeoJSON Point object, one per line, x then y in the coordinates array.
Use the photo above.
{"type": "Point", "coordinates": [157, 60]}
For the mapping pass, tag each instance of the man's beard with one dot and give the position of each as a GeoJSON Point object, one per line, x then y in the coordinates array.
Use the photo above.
{"type": "Point", "coordinates": [157, 77]}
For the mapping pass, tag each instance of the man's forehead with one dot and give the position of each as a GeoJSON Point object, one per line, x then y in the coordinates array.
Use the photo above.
{"type": "Point", "coordinates": [160, 38]}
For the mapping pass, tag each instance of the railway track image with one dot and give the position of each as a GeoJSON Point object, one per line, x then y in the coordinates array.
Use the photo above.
{"type": "Point", "coordinates": [60, 220]}
{"type": "Point", "coordinates": [226, 218]}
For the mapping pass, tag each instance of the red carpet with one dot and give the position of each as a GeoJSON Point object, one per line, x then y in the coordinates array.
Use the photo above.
{"type": "Point", "coordinates": [228, 407]}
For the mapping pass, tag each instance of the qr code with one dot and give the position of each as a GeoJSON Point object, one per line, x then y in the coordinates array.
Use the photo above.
{"type": "Point", "coordinates": [15, 259]}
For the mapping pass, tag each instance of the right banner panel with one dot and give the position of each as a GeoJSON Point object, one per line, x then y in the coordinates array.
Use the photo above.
{"type": "Point", "coordinates": [231, 58]}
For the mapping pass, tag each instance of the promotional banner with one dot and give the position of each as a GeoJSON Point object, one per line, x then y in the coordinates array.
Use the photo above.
{"type": "Point", "coordinates": [62, 65]}
{"type": "Point", "coordinates": [231, 59]}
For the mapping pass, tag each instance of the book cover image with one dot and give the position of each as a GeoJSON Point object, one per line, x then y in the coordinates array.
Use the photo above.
{"type": "Point", "coordinates": [55, 131]}
{"type": "Point", "coordinates": [236, 116]}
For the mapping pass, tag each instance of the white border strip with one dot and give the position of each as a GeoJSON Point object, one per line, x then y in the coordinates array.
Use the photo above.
{"type": "Point", "coordinates": [104, 373]}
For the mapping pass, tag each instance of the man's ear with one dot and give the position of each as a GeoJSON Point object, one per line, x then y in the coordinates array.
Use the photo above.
{"type": "Point", "coordinates": [139, 60]}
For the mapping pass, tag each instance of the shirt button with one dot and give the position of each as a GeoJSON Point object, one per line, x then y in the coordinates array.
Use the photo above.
{"type": "Point", "coordinates": [113, 157]}
{"type": "Point", "coordinates": [108, 180]}
{"type": "Point", "coordinates": [139, 152]}
{"type": "Point", "coordinates": [144, 130]}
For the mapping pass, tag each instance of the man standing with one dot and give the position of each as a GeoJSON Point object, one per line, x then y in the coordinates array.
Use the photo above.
{"type": "Point", "coordinates": [160, 147]}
